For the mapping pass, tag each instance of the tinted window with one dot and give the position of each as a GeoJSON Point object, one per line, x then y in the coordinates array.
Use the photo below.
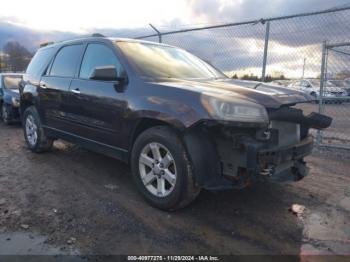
{"type": "Point", "coordinates": [39, 61]}
{"type": "Point", "coordinates": [66, 61]}
{"type": "Point", "coordinates": [12, 82]}
{"type": "Point", "coordinates": [97, 55]}
{"type": "Point", "coordinates": [158, 61]}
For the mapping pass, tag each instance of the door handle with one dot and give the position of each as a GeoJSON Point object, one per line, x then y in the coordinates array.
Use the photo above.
{"type": "Point", "coordinates": [43, 86]}
{"type": "Point", "coordinates": [76, 91]}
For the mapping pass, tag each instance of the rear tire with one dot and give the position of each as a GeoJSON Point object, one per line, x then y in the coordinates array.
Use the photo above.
{"type": "Point", "coordinates": [34, 134]}
{"type": "Point", "coordinates": [159, 149]}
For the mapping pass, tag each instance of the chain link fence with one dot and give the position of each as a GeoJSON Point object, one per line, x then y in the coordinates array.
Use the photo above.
{"type": "Point", "coordinates": [286, 50]}
{"type": "Point", "coordinates": [335, 77]}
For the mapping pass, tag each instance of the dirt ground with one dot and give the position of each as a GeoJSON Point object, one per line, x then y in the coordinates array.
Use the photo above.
{"type": "Point", "coordinates": [72, 201]}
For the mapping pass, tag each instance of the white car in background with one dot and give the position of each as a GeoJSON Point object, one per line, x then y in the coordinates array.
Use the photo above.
{"type": "Point", "coordinates": [343, 84]}
{"type": "Point", "coordinates": [312, 87]}
{"type": "Point", "coordinates": [281, 82]}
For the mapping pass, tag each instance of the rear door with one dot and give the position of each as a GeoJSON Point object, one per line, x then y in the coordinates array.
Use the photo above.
{"type": "Point", "coordinates": [96, 107]}
{"type": "Point", "coordinates": [54, 86]}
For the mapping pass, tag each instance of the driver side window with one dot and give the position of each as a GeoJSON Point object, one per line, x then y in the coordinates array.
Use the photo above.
{"type": "Point", "coordinates": [98, 55]}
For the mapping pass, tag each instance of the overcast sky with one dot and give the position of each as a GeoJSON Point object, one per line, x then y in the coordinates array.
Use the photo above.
{"type": "Point", "coordinates": [83, 15]}
{"type": "Point", "coordinates": [234, 49]}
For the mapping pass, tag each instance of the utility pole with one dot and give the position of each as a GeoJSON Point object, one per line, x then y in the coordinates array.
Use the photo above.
{"type": "Point", "coordinates": [303, 68]}
{"type": "Point", "coordinates": [267, 35]}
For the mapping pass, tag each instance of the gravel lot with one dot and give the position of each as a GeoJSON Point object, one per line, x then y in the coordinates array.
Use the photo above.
{"type": "Point", "coordinates": [72, 201]}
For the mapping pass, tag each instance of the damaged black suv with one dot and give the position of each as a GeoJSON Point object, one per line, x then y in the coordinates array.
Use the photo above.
{"type": "Point", "coordinates": [180, 123]}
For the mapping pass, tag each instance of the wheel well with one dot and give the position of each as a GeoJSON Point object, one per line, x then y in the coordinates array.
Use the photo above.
{"type": "Point", "coordinates": [25, 104]}
{"type": "Point", "coordinates": [145, 124]}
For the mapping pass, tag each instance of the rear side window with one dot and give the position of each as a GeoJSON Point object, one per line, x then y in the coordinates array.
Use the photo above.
{"type": "Point", "coordinates": [66, 61]}
{"type": "Point", "coordinates": [39, 61]}
{"type": "Point", "coordinates": [97, 55]}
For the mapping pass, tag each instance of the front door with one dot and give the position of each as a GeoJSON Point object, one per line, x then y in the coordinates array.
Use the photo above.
{"type": "Point", "coordinates": [96, 107]}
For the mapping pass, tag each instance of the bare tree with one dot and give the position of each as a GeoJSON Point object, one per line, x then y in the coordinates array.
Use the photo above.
{"type": "Point", "coordinates": [17, 56]}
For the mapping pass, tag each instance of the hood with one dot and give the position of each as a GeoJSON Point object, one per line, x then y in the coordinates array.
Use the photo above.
{"type": "Point", "coordinates": [270, 96]}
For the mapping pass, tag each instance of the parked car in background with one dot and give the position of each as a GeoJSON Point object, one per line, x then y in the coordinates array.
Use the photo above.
{"type": "Point", "coordinates": [281, 82]}
{"type": "Point", "coordinates": [10, 97]}
{"type": "Point", "coordinates": [312, 87]}
{"type": "Point", "coordinates": [343, 84]}
{"type": "Point", "coordinates": [347, 81]}
{"type": "Point", "coordinates": [180, 123]}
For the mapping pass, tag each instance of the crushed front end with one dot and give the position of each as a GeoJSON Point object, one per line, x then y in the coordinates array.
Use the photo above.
{"type": "Point", "coordinates": [236, 155]}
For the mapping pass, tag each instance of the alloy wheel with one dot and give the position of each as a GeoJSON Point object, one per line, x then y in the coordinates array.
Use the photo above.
{"type": "Point", "coordinates": [31, 130]}
{"type": "Point", "coordinates": [157, 169]}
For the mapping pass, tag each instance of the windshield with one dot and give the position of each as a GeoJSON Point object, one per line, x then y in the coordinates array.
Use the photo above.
{"type": "Point", "coordinates": [156, 61]}
{"type": "Point", "coordinates": [12, 82]}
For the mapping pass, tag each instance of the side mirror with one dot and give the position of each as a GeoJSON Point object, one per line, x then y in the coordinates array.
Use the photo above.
{"type": "Point", "coordinates": [109, 73]}
{"type": "Point", "coordinates": [105, 73]}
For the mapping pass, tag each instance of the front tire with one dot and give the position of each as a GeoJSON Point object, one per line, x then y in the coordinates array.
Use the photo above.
{"type": "Point", "coordinates": [162, 170]}
{"type": "Point", "coordinates": [34, 134]}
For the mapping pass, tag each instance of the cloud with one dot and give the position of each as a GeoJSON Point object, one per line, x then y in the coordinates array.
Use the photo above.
{"type": "Point", "coordinates": [31, 39]}
{"type": "Point", "coordinates": [214, 11]}
{"type": "Point", "coordinates": [241, 47]}
{"type": "Point", "coordinates": [238, 48]}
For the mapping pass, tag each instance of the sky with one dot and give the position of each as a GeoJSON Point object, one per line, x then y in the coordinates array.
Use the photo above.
{"type": "Point", "coordinates": [81, 16]}
{"type": "Point", "coordinates": [236, 49]}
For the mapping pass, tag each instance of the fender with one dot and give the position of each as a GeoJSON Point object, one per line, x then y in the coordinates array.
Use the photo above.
{"type": "Point", "coordinates": [205, 160]}
{"type": "Point", "coordinates": [29, 96]}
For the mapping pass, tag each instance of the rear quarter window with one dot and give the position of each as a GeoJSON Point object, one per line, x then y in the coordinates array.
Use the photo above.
{"type": "Point", "coordinates": [39, 62]}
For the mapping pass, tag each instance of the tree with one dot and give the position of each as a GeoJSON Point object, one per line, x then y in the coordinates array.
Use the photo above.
{"type": "Point", "coordinates": [18, 57]}
{"type": "Point", "coordinates": [250, 77]}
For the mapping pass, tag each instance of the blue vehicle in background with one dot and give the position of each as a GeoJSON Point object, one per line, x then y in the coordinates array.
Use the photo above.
{"type": "Point", "coordinates": [10, 97]}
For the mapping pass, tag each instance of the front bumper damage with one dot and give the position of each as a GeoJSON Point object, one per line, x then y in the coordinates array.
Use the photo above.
{"type": "Point", "coordinates": [244, 160]}
{"type": "Point", "coordinates": [233, 157]}
{"type": "Point", "coordinates": [280, 163]}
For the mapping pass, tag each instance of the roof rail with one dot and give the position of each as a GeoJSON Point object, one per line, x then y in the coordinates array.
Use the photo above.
{"type": "Point", "coordinates": [97, 35]}
{"type": "Point", "coordinates": [46, 44]}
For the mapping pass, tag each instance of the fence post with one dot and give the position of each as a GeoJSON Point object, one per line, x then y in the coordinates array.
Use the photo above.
{"type": "Point", "coordinates": [158, 32]}
{"type": "Point", "coordinates": [266, 45]}
{"type": "Point", "coordinates": [322, 80]}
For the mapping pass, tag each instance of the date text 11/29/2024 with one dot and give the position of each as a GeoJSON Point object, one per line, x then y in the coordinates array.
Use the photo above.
{"type": "Point", "coordinates": [173, 258]}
